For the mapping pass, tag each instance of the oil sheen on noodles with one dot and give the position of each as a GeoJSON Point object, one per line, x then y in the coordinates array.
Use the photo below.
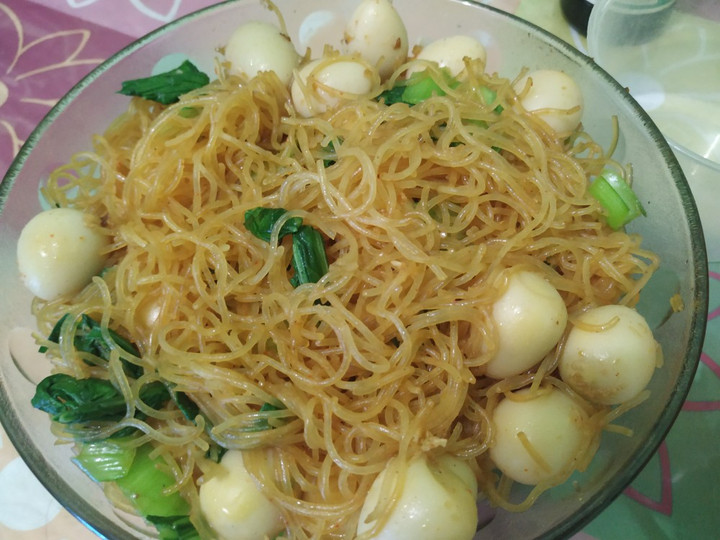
{"type": "Point", "coordinates": [423, 209]}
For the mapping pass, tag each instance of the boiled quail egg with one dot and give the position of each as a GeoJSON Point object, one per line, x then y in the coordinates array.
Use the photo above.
{"type": "Point", "coordinates": [530, 317]}
{"type": "Point", "coordinates": [538, 437]}
{"type": "Point", "coordinates": [323, 84]}
{"type": "Point", "coordinates": [233, 504]}
{"type": "Point", "coordinates": [450, 52]}
{"type": "Point", "coordinates": [378, 34]}
{"type": "Point", "coordinates": [437, 500]}
{"type": "Point", "coordinates": [59, 251]}
{"type": "Point", "coordinates": [259, 46]}
{"type": "Point", "coordinates": [610, 354]}
{"type": "Point", "coordinates": [552, 96]}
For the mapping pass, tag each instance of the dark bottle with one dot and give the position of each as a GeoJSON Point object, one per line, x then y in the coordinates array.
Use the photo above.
{"type": "Point", "coordinates": [577, 13]}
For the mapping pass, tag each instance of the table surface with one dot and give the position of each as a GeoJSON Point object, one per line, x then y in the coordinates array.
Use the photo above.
{"type": "Point", "coordinates": [48, 45]}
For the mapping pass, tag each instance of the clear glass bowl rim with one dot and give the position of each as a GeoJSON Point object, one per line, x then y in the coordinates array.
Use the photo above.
{"type": "Point", "coordinates": [105, 528]}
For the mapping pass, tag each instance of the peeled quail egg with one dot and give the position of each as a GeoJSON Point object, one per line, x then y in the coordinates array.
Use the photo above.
{"type": "Point", "coordinates": [258, 46]}
{"type": "Point", "coordinates": [530, 317]}
{"type": "Point", "coordinates": [610, 354]}
{"type": "Point", "coordinates": [554, 97]}
{"type": "Point", "coordinates": [59, 251]}
{"type": "Point", "coordinates": [323, 83]}
{"type": "Point", "coordinates": [438, 500]}
{"type": "Point", "coordinates": [378, 34]}
{"type": "Point", "coordinates": [450, 52]}
{"type": "Point", "coordinates": [538, 437]}
{"type": "Point", "coordinates": [233, 504]}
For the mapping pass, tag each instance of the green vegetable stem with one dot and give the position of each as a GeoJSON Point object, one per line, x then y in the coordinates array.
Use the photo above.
{"type": "Point", "coordinates": [145, 484]}
{"type": "Point", "coordinates": [143, 480]}
{"type": "Point", "coordinates": [617, 198]}
{"type": "Point", "coordinates": [105, 460]}
{"type": "Point", "coordinates": [174, 527]}
{"type": "Point", "coordinates": [417, 88]}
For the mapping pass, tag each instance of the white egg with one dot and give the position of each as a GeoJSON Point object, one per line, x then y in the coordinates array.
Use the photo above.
{"type": "Point", "coordinates": [59, 251]}
{"type": "Point", "coordinates": [530, 317]}
{"type": "Point", "coordinates": [149, 313]}
{"type": "Point", "coordinates": [450, 53]}
{"type": "Point", "coordinates": [538, 438]}
{"type": "Point", "coordinates": [438, 500]}
{"type": "Point", "coordinates": [234, 506]}
{"type": "Point", "coordinates": [610, 354]}
{"type": "Point", "coordinates": [322, 84]}
{"type": "Point", "coordinates": [378, 34]}
{"type": "Point", "coordinates": [258, 46]}
{"type": "Point", "coordinates": [554, 97]}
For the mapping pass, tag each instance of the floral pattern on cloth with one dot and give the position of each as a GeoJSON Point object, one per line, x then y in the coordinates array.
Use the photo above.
{"type": "Point", "coordinates": [42, 54]}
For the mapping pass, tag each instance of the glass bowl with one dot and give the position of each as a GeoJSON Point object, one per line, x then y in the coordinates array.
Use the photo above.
{"type": "Point", "coordinates": [671, 228]}
{"type": "Point", "coordinates": [666, 52]}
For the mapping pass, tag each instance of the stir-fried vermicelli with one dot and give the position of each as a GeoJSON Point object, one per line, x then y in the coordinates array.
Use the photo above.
{"type": "Point", "coordinates": [424, 212]}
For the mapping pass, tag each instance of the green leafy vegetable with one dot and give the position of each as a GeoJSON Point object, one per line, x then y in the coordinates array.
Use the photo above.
{"type": "Point", "coordinates": [144, 485]}
{"type": "Point", "coordinates": [489, 96]}
{"type": "Point", "coordinates": [260, 221]}
{"type": "Point", "coordinates": [89, 338]}
{"type": "Point", "coordinates": [422, 86]}
{"type": "Point", "coordinates": [330, 154]}
{"type": "Point", "coordinates": [417, 88]}
{"type": "Point", "coordinates": [309, 258]}
{"type": "Point", "coordinates": [473, 122]}
{"type": "Point", "coordinates": [262, 423]}
{"type": "Point", "coordinates": [174, 527]}
{"type": "Point", "coordinates": [167, 87]}
{"type": "Point", "coordinates": [393, 95]}
{"type": "Point", "coordinates": [617, 198]}
{"type": "Point", "coordinates": [105, 271]}
{"type": "Point", "coordinates": [78, 401]}
{"type": "Point", "coordinates": [106, 460]}
{"type": "Point", "coordinates": [215, 452]}
{"type": "Point", "coordinates": [142, 480]}
{"type": "Point", "coordinates": [189, 112]}
{"type": "Point", "coordinates": [186, 405]}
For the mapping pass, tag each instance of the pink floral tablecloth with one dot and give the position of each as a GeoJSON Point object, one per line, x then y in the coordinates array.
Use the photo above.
{"type": "Point", "coordinates": [46, 46]}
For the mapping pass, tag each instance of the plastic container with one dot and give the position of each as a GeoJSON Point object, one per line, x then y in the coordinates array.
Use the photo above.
{"type": "Point", "coordinates": [667, 53]}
